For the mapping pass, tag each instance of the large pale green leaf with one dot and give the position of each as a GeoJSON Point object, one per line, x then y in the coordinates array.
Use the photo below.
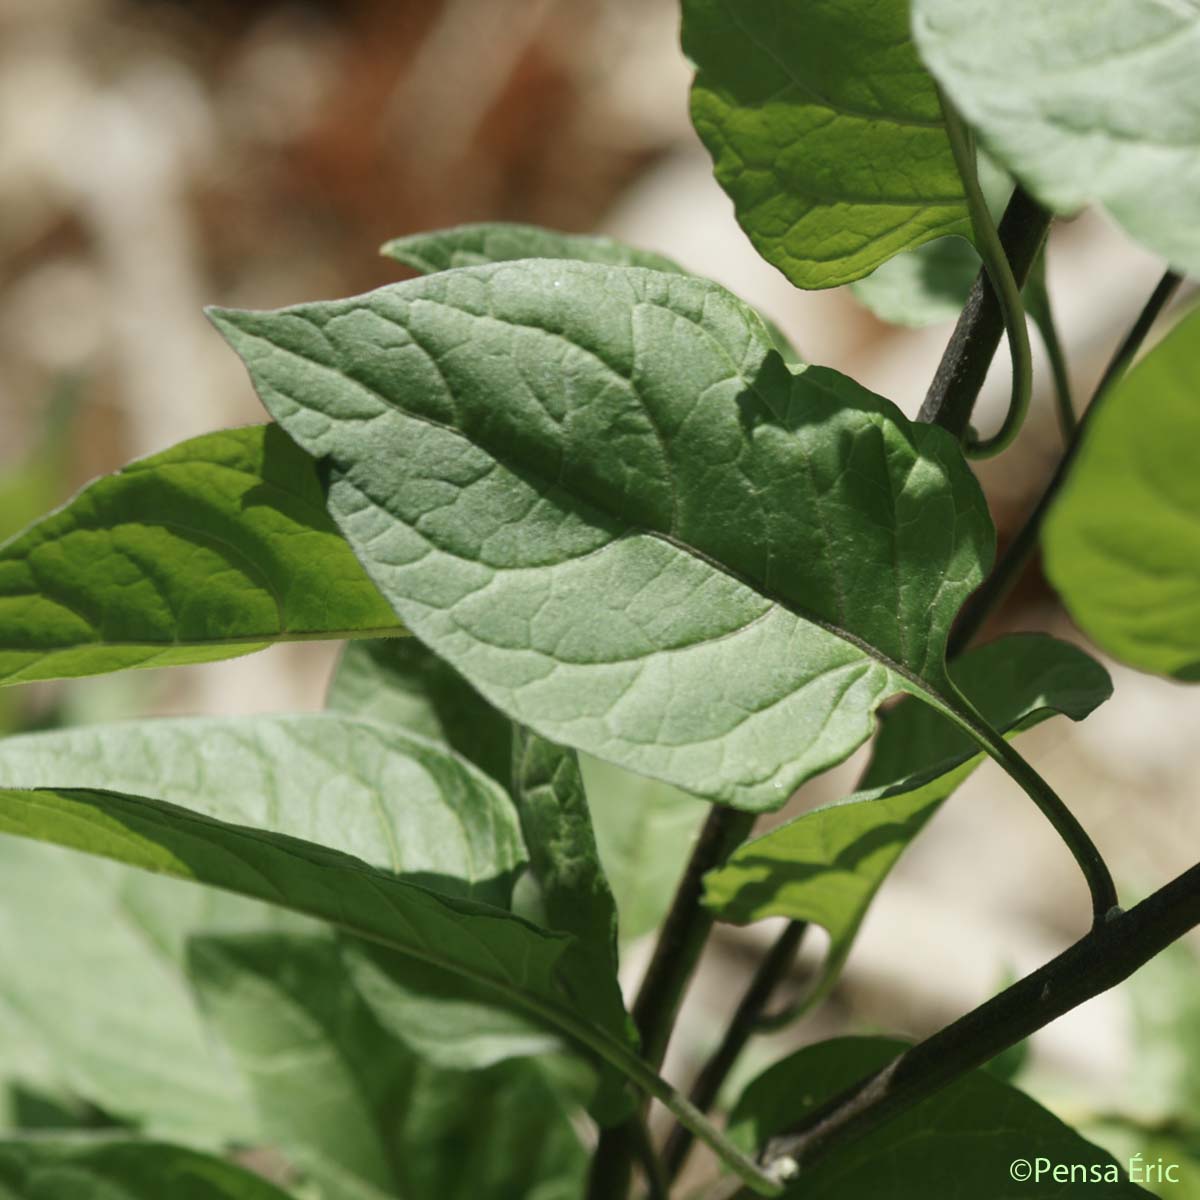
{"type": "Point", "coordinates": [516, 962]}
{"type": "Point", "coordinates": [479, 245]}
{"type": "Point", "coordinates": [826, 865]}
{"type": "Point", "coordinates": [355, 1110]}
{"type": "Point", "coordinates": [602, 496]}
{"type": "Point", "coordinates": [94, 988]}
{"type": "Point", "coordinates": [392, 799]}
{"type": "Point", "coordinates": [1122, 542]}
{"type": "Point", "coordinates": [824, 129]}
{"type": "Point", "coordinates": [962, 1142]}
{"type": "Point", "coordinates": [103, 990]}
{"type": "Point", "coordinates": [1083, 101]}
{"type": "Point", "coordinates": [83, 1169]}
{"type": "Point", "coordinates": [216, 547]}
{"type": "Point", "coordinates": [398, 682]}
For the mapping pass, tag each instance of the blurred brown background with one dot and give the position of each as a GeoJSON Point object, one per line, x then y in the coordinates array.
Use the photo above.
{"type": "Point", "coordinates": [157, 156]}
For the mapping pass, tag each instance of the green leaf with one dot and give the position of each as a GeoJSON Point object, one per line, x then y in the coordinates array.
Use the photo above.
{"type": "Point", "coordinates": [82, 1169]}
{"type": "Point", "coordinates": [826, 865]}
{"type": "Point", "coordinates": [216, 547]}
{"type": "Point", "coordinates": [1122, 542]}
{"type": "Point", "coordinates": [1083, 101]}
{"type": "Point", "coordinates": [603, 498]}
{"type": "Point", "coordinates": [96, 992]}
{"type": "Point", "coordinates": [387, 797]}
{"type": "Point", "coordinates": [961, 1142]}
{"type": "Point", "coordinates": [357, 1112]}
{"type": "Point", "coordinates": [481, 245]}
{"type": "Point", "coordinates": [516, 962]}
{"type": "Point", "coordinates": [644, 834]}
{"type": "Point", "coordinates": [825, 130]}
{"type": "Point", "coordinates": [398, 682]}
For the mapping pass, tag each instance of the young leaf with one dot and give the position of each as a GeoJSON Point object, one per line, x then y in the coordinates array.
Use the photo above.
{"type": "Point", "coordinates": [1122, 542]}
{"type": "Point", "coordinates": [1082, 101]}
{"type": "Point", "coordinates": [826, 865]}
{"type": "Point", "coordinates": [216, 547]}
{"type": "Point", "coordinates": [387, 797]}
{"type": "Point", "coordinates": [964, 1141]}
{"type": "Point", "coordinates": [87, 1169]}
{"type": "Point", "coordinates": [398, 682]}
{"type": "Point", "coordinates": [604, 499]}
{"type": "Point", "coordinates": [350, 1105]}
{"type": "Point", "coordinates": [480, 245]}
{"type": "Point", "coordinates": [825, 130]}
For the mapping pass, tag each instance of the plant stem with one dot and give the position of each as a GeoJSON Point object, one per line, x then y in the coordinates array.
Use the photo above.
{"type": "Point", "coordinates": [1020, 550]}
{"type": "Point", "coordinates": [1101, 959]}
{"type": "Point", "coordinates": [964, 366]}
{"type": "Point", "coordinates": [1041, 311]}
{"type": "Point", "coordinates": [773, 968]}
{"type": "Point", "coordinates": [680, 941]}
{"type": "Point", "coordinates": [1004, 286]}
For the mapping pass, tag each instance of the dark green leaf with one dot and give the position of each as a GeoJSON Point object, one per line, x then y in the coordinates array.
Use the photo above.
{"type": "Point", "coordinates": [1082, 101]}
{"type": "Point", "coordinates": [398, 682]}
{"type": "Point", "coordinates": [961, 1142]}
{"type": "Point", "coordinates": [217, 547]}
{"type": "Point", "coordinates": [122, 1170]}
{"type": "Point", "coordinates": [826, 865]}
{"type": "Point", "coordinates": [1122, 542]}
{"type": "Point", "coordinates": [825, 130]}
{"type": "Point", "coordinates": [601, 495]}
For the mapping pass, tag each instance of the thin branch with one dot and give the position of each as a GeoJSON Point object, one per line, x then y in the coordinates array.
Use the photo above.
{"type": "Point", "coordinates": [1020, 550]}
{"type": "Point", "coordinates": [1104, 957]}
{"type": "Point", "coordinates": [746, 1021]}
{"type": "Point", "coordinates": [1041, 312]}
{"type": "Point", "coordinates": [964, 366]}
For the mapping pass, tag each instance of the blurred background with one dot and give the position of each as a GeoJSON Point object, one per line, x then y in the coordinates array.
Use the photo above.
{"type": "Point", "coordinates": [158, 156]}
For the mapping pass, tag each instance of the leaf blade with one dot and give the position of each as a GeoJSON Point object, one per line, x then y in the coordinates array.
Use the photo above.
{"type": "Point", "coordinates": [217, 547]}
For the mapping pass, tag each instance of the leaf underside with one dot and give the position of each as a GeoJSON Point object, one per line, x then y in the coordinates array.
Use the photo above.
{"type": "Point", "coordinates": [1083, 101]}
{"type": "Point", "coordinates": [605, 500]}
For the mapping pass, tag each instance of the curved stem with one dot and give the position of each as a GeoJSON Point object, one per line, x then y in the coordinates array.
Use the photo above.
{"type": "Point", "coordinates": [987, 242]}
{"type": "Point", "coordinates": [1083, 849]}
{"type": "Point", "coordinates": [1037, 304]}
{"type": "Point", "coordinates": [1020, 550]}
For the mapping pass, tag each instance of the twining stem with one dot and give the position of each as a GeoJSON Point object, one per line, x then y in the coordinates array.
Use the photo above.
{"type": "Point", "coordinates": [1020, 550]}
{"type": "Point", "coordinates": [1104, 957]}
{"type": "Point", "coordinates": [964, 365]}
{"type": "Point", "coordinates": [680, 941]}
{"type": "Point", "coordinates": [746, 1020]}
{"type": "Point", "coordinates": [1004, 284]}
{"type": "Point", "coordinates": [1041, 311]}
